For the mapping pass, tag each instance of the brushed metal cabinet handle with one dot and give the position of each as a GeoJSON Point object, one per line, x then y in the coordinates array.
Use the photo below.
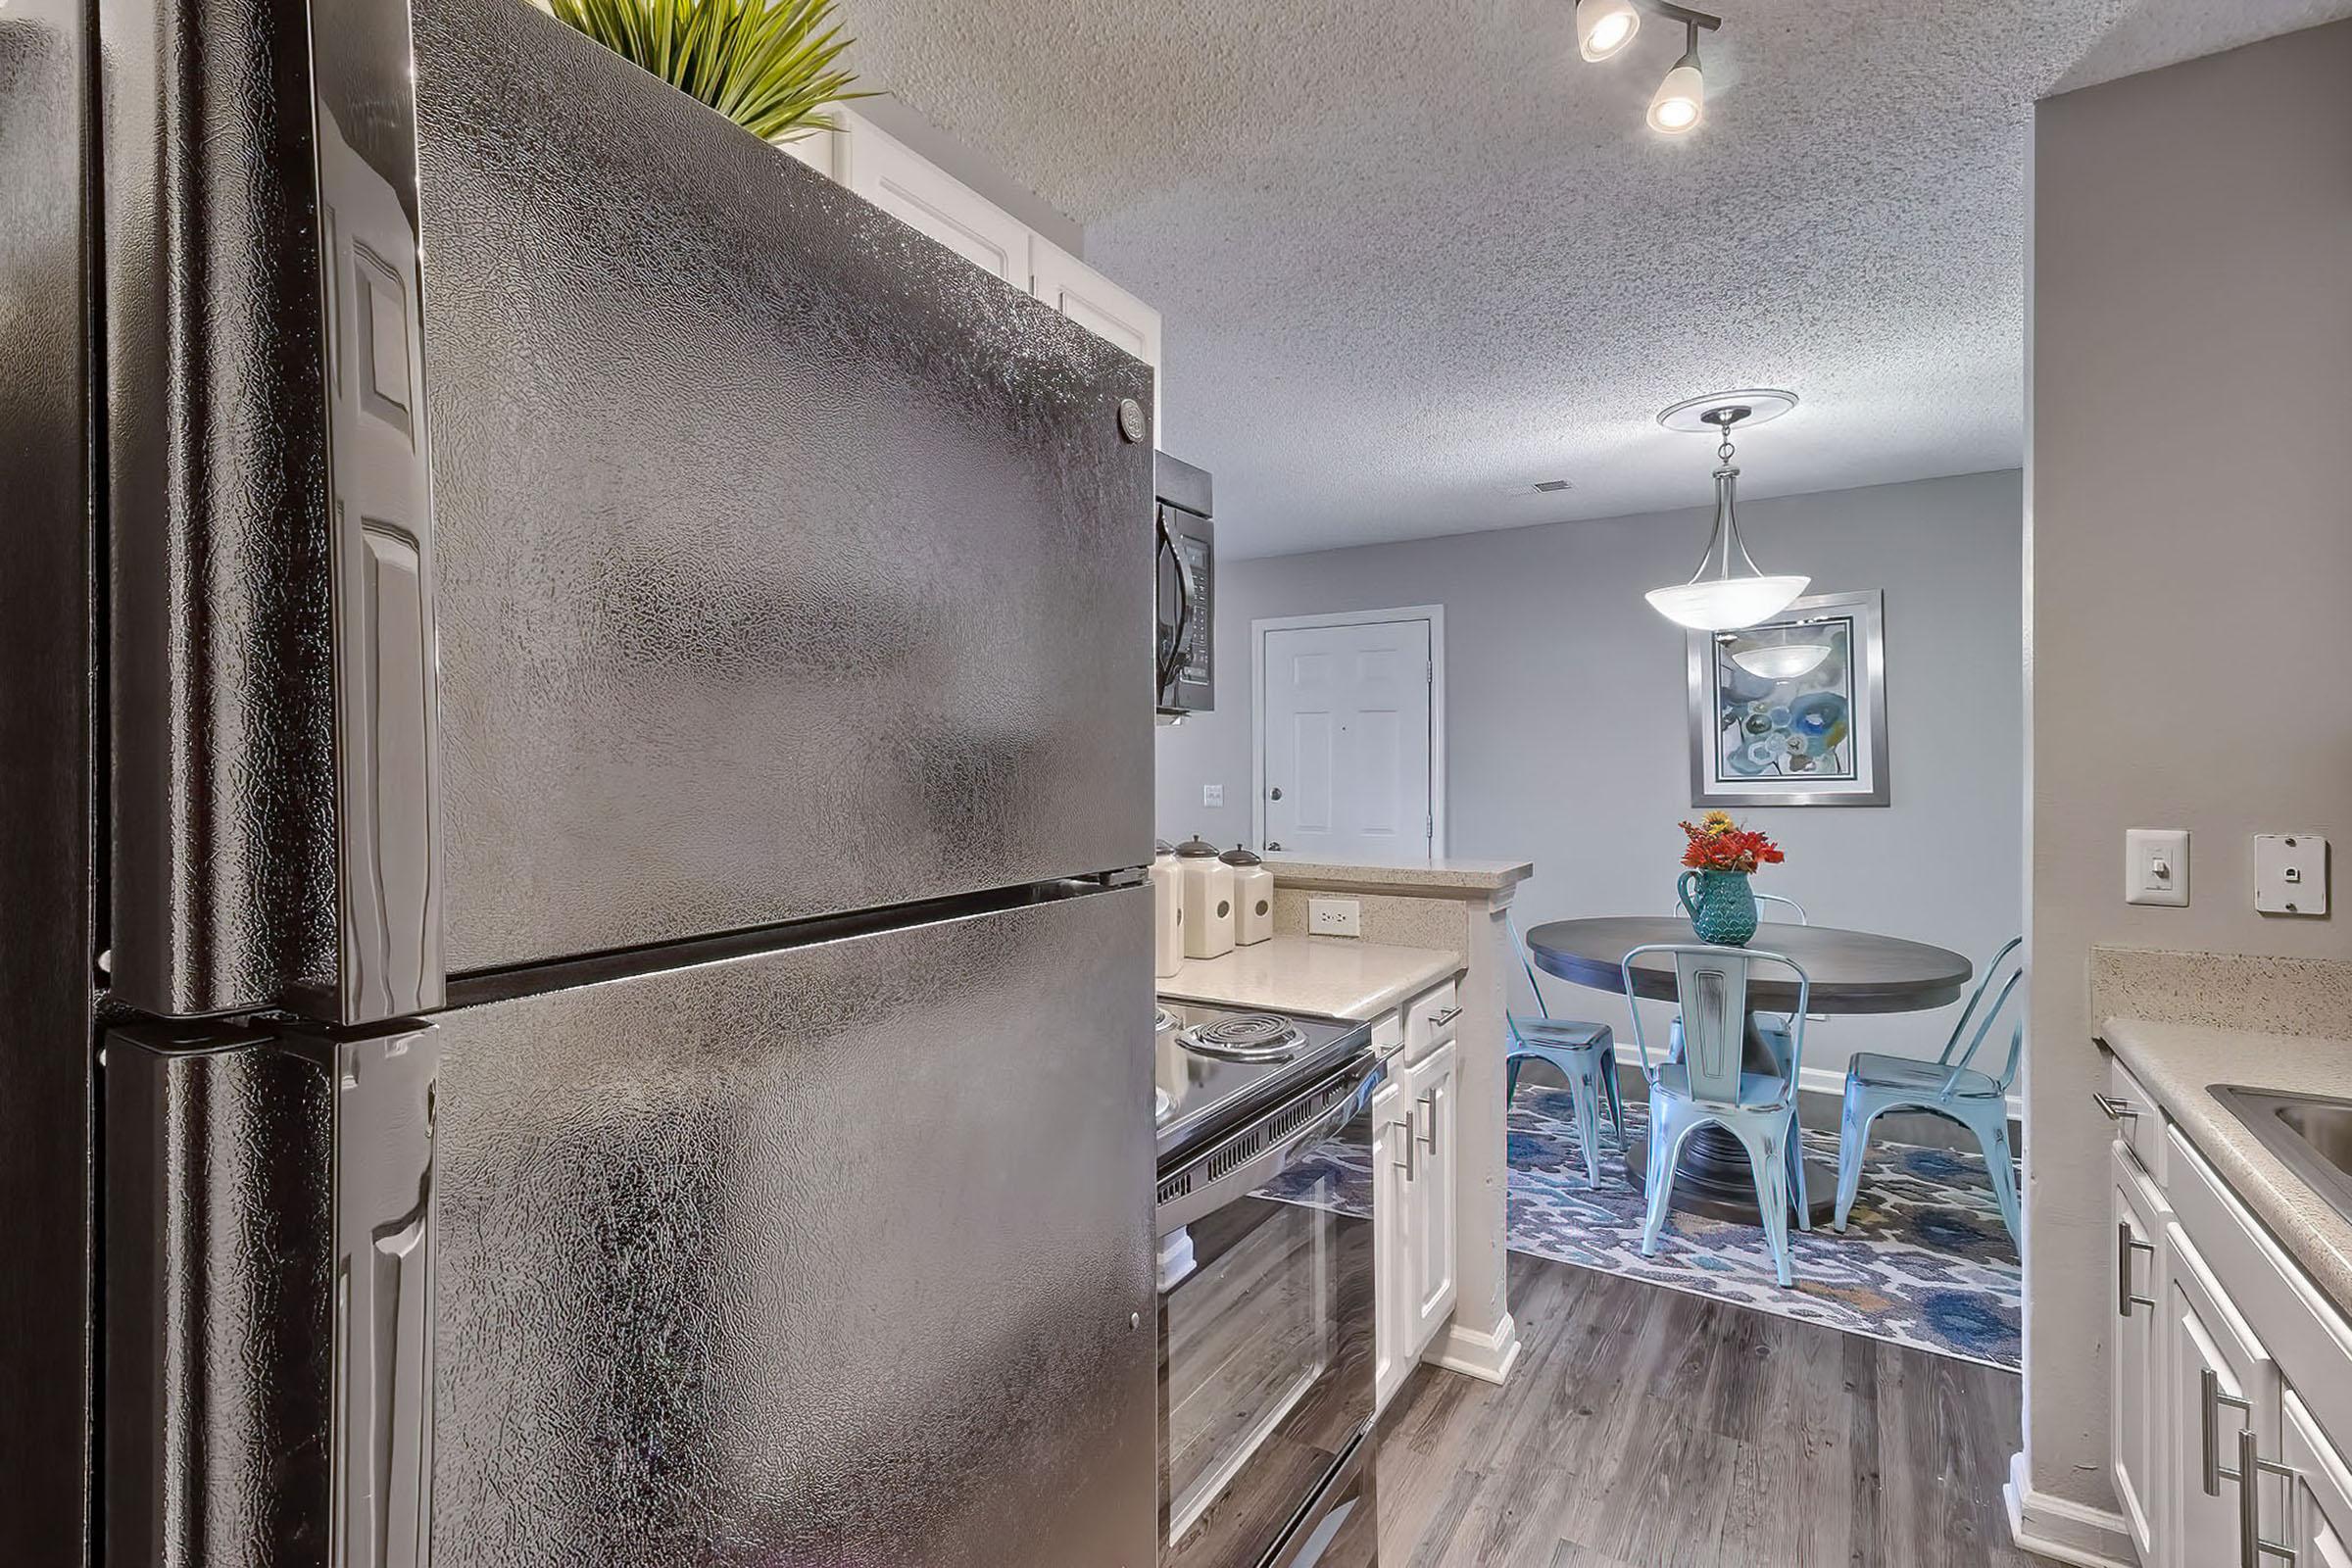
{"type": "Point", "coordinates": [1412, 1137]}
{"type": "Point", "coordinates": [2116, 1109]}
{"type": "Point", "coordinates": [1430, 1138]}
{"type": "Point", "coordinates": [1442, 1019]}
{"type": "Point", "coordinates": [2210, 1400]}
{"type": "Point", "coordinates": [2124, 1246]}
{"type": "Point", "coordinates": [2251, 1468]}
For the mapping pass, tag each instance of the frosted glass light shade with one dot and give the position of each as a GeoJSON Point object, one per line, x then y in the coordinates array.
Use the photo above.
{"type": "Point", "coordinates": [1782, 661]}
{"type": "Point", "coordinates": [1604, 26]}
{"type": "Point", "coordinates": [1680, 99]}
{"type": "Point", "coordinates": [1726, 604]}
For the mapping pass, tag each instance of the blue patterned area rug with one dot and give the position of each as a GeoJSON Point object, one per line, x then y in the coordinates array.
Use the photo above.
{"type": "Point", "coordinates": [1923, 1261]}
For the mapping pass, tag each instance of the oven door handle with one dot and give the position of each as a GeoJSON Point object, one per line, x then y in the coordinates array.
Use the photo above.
{"type": "Point", "coordinates": [1208, 1193]}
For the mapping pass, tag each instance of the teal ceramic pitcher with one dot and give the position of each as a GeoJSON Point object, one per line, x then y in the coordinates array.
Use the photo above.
{"type": "Point", "coordinates": [1724, 910]}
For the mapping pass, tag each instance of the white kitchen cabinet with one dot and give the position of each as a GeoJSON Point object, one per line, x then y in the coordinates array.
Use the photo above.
{"type": "Point", "coordinates": [1098, 305]}
{"type": "Point", "coordinates": [2243, 1361]}
{"type": "Point", "coordinates": [1431, 1087]}
{"type": "Point", "coordinates": [925, 197]}
{"type": "Point", "coordinates": [1415, 1117]}
{"type": "Point", "coordinates": [2318, 1493]}
{"type": "Point", "coordinates": [2219, 1382]}
{"type": "Point", "coordinates": [1392, 1242]}
{"type": "Point", "coordinates": [2136, 1385]}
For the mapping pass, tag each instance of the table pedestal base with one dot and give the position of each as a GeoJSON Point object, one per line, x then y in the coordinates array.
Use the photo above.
{"type": "Point", "coordinates": [1714, 1178]}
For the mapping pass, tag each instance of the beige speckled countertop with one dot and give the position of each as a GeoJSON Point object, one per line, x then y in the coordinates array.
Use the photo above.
{"type": "Point", "coordinates": [2178, 1062]}
{"type": "Point", "coordinates": [1334, 977]}
{"type": "Point", "coordinates": [1426, 877]}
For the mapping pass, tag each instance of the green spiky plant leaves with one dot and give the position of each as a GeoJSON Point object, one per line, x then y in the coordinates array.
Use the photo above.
{"type": "Point", "coordinates": [770, 66]}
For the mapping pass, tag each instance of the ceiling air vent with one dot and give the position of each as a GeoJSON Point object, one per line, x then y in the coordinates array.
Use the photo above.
{"type": "Point", "coordinates": [1539, 487]}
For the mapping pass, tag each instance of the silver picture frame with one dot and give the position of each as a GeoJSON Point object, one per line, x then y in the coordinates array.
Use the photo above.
{"type": "Point", "coordinates": [1862, 778]}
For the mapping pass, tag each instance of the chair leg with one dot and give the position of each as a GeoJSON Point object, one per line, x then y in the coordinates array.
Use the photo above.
{"type": "Point", "coordinates": [1510, 1078]}
{"type": "Point", "coordinates": [1798, 1199]}
{"type": "Point", "coordinates": [1583, 1095]}
{"type": "Point", "coordinates": [1853, 1140]}
{"type": "Point", "coordinates": [1993, 1136]}
{"type": "Point", "coordinates": [1766, 1167]}
{"type": "Point", "coordinates": [1608, 1078]}
{"type": "Point", "coordinates": [1667, 1130]}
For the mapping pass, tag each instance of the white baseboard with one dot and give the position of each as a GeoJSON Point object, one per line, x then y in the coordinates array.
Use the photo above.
{"type": "Point", "coordinates": [1488, 1355]}
{"type": "Point", "coordinates": [2062, 1531]}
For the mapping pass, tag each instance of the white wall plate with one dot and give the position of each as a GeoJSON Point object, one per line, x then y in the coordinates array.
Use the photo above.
{"type": "Point", "coordinates": [2290, 873]}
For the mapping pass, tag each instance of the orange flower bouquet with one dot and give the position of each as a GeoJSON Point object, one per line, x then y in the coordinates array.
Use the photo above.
{"type": "Point", "coordinates": [1719, 857]}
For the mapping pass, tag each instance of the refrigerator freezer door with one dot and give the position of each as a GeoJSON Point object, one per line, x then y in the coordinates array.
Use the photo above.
{"type": "Point", "coordinates": [827, 1255]}
{"type": "Point", "coordinates": [779, 563]}
{"type": "Point", "coordinates": [789, 563]}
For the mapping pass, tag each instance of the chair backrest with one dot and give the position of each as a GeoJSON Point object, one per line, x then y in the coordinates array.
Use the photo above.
{"type": "Point", "coordinates": [2009, 961]}
{"type": "Point", "coordinates": [1526, 960]}
{"type": "Point", "coordinates": [1797, 910]}
{"type": "Point", "coordinates": [1711, 989]}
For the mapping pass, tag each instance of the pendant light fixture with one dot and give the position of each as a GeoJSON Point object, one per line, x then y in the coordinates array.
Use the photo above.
{"type": "Point", "coordinates": [1729, 590]}
{"type": "Point", "coordinates": [1682, 98]}
{"type": "Point", "coordinates": [1604, 26]}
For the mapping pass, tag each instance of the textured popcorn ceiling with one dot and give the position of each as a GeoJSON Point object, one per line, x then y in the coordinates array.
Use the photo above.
{"type": "Point", "coordinates": [1410, 253]}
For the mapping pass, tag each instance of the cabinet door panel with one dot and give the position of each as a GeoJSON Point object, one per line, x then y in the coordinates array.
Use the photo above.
{"type": "Point", "coordinates": [1432, 1085]}
{"type": "Point", "coordinates": [1102, 307]}
{"type": "Point", "coordinates": [2134, 1388]}
{"type": "Point", "coordinates": [2319, 1502]}
{"type": "Point", "coordinates": [1392, 1255]}
{"type": "Point", "coordinates": [923, 196]}
{"type": "Point", "coordinates": [2210, 1357]}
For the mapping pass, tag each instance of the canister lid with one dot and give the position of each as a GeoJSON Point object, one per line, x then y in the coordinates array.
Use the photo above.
{"type": "Point", "coordinates": [1196, 848]}
{"type": "Point", "coordinates": [1161, 847]}
{"type": "Point", "coordinates": [1241, 855]}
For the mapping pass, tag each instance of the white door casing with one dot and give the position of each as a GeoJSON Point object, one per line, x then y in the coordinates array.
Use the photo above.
{"type": "Point", "coordinates": [1349, 746]}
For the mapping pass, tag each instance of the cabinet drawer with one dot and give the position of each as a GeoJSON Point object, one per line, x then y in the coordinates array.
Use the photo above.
{"type": "Point", "coordinates": [1430, 1019]}
{"type": "Point", "coordinates": [2133, 1115]}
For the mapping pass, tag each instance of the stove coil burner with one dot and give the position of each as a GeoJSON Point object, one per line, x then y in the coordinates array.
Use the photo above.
{"type": "Point", "coordinates": [1252, 1036]}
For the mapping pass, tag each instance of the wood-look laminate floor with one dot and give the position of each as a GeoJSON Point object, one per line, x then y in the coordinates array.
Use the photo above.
{"type": "Point", "coordinates": [1643, 1426]}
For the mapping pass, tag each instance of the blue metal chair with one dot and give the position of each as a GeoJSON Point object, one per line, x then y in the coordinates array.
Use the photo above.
{"type": "Point", "coordinates": [1948, 1086]}
{"type": "Point", "coordinates": [1710, 1086]}
{"type": "Point", "coordinates": [1773, 1028]}
{"type": "Point", "coordinates": [1584, 1053]}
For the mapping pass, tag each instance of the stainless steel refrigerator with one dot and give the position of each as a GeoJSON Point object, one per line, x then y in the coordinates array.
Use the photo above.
{"type": "Point", "coordinates": [575, 755]}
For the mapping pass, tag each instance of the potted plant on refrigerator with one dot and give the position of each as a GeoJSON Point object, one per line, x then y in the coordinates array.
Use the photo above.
{"type": "Point", "coordinates": [773, 66]}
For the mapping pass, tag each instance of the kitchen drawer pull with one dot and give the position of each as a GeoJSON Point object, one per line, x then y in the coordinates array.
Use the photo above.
{"type": "Point", "coordinates": [2210, 1401]}
{"type": "Point", "coordinates": [1441, 1020]}
{"type": "Point", "coordinates": [2116, 1109]}
{"type": "Point", "coordinates": [2251, 1468]}
{"type": "Point", "coordinates": [2124, 1246]}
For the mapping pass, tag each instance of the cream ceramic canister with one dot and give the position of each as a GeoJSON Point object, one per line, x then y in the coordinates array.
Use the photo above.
{"type": "Point", "coordinates": [1206, 883]}
{"type": "Point", "coordinates": [1167, 914]}
{"type": "Point", "coordinates": [1252, 897]}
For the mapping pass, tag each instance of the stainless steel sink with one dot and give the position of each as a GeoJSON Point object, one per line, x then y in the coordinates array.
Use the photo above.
{"type": "Point", "coordinates": [2312, 1133]}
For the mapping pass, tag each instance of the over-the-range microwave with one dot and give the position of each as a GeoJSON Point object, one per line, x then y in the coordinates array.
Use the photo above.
{"type": "Point", "coordinates": [1185, 572]}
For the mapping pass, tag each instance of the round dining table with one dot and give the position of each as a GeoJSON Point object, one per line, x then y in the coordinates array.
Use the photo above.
{"type": "Point", "coordinates": [1852, 972]}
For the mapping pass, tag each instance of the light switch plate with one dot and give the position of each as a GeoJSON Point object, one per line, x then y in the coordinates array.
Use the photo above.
{"type": "Point", "coordinates": [2290, 873]}
{"type": "Point", "coordinates": [2156, 866]}
{"type": "Point", "coordinates": [1212, 795]}
{"type": "Point", "coordinates": [1335, 917]}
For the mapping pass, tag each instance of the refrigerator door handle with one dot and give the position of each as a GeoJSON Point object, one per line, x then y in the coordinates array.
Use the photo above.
{"type": "Point", "coordinates": [380, 518]}
{"type": "Point", "coordinates": [384, 1255]}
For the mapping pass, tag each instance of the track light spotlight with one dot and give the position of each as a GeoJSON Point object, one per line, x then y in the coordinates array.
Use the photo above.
{"type": "Point", "coordinates": [1682, 98]}
{"type": "Point", "coordinates": [1604, 26]}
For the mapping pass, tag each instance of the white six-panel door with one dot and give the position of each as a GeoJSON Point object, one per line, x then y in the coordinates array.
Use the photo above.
{"type": "Point", "coordinates": [1346, 716]}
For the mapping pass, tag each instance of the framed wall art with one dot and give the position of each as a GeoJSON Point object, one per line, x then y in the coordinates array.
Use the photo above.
{"type": "Point", "coordinates": [1793, 711]}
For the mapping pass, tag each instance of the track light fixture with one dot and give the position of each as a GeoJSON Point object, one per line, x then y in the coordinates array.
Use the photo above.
{"type": "Point", "coordinates": [1603, 27]}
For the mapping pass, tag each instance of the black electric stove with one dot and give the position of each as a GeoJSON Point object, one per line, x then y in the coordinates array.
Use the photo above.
{"type": "Point", "coordinates": [1216, 1066]}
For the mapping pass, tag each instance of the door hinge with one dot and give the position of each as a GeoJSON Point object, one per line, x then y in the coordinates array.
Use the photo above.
{"type": "Point", "coordinates": [1429, 676]}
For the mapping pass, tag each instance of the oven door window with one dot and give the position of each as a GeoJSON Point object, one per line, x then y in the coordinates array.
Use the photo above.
{"type": "Point", "coordinates": [1266, 1330]}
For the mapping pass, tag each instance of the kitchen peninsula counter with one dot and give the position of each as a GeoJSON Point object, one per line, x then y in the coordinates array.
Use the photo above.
{"type": "Point", "coordinates": [1330, 977]}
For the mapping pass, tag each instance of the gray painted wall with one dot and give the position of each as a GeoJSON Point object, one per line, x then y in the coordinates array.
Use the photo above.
{"type": "Point", "coordinates": [2191, 561]}
{"type": "Point", "coordinates": [1567, 722]}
